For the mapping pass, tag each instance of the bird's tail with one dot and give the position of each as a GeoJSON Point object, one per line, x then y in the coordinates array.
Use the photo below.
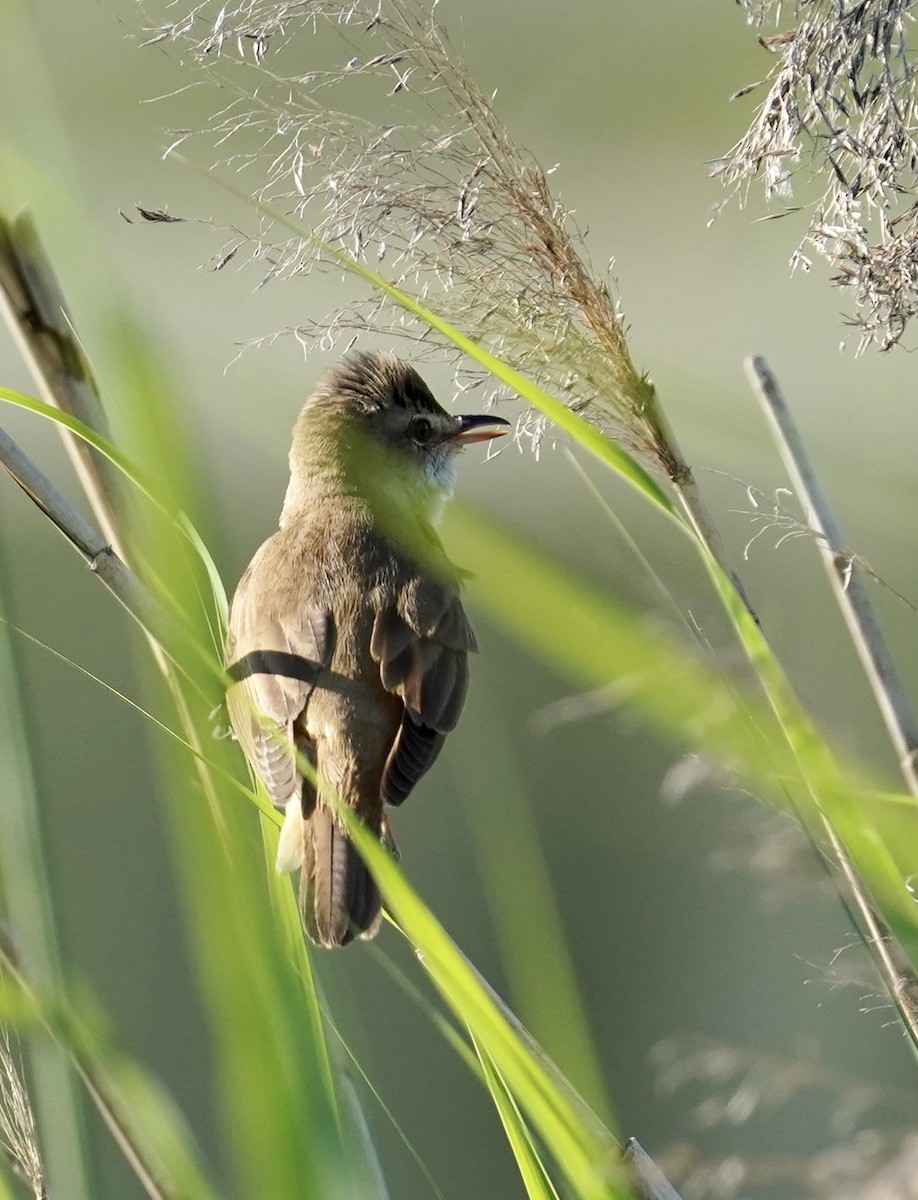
{"type": "Point", "coordinates": [338, 897]}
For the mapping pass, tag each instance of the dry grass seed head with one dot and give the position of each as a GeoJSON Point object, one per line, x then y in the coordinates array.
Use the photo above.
{"type": "Point", "coordinates": [18, 1137]}
{"type": "Point", "coordinates": [840, 108]}
{"type": "Point", "coordinates": [415, 171]}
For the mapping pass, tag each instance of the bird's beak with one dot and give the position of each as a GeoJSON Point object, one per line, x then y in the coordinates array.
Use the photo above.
{"type": "Point", "coordinates": [480, 429]}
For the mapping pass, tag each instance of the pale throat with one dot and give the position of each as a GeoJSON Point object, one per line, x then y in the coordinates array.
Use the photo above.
{"type": "Point", "coordinates": [440, 480]}
{"type": "Point", "coordinates": [318, 469]}
{"type": "Point", "coordinates": [429, 487]}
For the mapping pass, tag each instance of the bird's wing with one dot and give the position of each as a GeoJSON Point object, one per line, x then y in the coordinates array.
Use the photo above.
{"type": "Point", "coordinates": [275, 665]}
{"type": "Point", "coordinates": [421, 643]}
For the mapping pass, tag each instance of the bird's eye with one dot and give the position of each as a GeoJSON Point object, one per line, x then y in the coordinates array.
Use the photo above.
{"type": "Point", "coordinates": [421, 430]}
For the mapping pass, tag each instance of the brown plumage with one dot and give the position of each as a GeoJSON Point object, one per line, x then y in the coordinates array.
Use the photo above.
{"type": "Point", "coordinates": [346, 633]}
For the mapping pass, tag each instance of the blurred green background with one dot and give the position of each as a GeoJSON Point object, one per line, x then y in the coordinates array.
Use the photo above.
{"type": "Point", "coordinates": [632, 100]}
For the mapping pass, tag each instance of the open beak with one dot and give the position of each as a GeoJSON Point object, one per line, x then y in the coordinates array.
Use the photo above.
{"type": "Point", "coordinates": [480, 429]}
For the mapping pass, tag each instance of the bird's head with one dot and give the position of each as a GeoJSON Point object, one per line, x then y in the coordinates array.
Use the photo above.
{"type": "Point", "coordinates": [371, 402]}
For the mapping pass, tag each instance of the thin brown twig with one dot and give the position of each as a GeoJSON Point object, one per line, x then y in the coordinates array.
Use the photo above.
{"type": "Point", "coordinates": [842, 571]}
{"type": "Point", "coordinates": [87, 541]}
{"type": "Point", "coordinates": [32, 304]}
{"type": "Point", "coordinates": [898, 975]}
{"type": "Point", "coordinates": [33, 308]}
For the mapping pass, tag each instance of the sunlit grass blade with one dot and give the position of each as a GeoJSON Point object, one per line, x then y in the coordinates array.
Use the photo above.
{"type": "Point", "coordinates": [589, 1162]}
{"type": "Point", "coordinates": [532, 1170]}
{"type": "Point", "coordinates": [524, 908]}
{"type": "Point", "coordinates": [280, 1109]}
{"type": "Point", "coordinates": [854, 831]}
{"type": "Point", "coordinates": [136, 475]}
{"type": "Point", "coordinates": [594, 642]}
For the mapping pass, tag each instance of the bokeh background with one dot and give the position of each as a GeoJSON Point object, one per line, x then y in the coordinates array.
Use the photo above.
{"type": "Point", "coordinates": [671, 937]}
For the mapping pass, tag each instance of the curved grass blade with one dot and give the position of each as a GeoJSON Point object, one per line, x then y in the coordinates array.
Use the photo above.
{"type": "Point", "coordinates": [525, 914]}
{"type": "Point", "coordinates": [390, 1116]}
{"type": "Point", "coordinates": [532, 1170]}
{"type": "Point", "coordinates": [596, 643]}
{"type": "Point", "coordinates": [590, 1161]}
{"type": "Point", "coordinates": [135, 475]}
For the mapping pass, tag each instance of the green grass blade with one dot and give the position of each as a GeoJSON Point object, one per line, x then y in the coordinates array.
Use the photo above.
{"type": "Point", "coordinates": [439, 1020]}
{"type": "Point", "coordinates": [390, 1116]}
{"type": "Point", "coordinates": [589, 1161]}
{"type": "Point", "coordinates": [279, 1105]}
{"type": "Point", "coordinates": [532, 1170]}
{"type": "Point", "coordinates": [525, 915]}
{"type": "Point", "coordinates": [595, 643]}
{"type": "Point", "coordinates": [136, 475]}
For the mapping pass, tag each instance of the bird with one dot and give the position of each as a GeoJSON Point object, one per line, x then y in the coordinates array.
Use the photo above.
{"type": "Point", "coordinates": [346, 636]}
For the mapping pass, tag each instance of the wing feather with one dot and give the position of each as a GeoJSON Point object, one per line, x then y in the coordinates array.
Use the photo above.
{"type": "Point", "coordinates": [275, 663]}
{"type": "Point", "coordinates": [421, 644]}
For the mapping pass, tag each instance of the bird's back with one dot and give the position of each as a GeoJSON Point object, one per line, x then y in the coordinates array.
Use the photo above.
{"type": "Point", "coordinates": [313, 595]}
